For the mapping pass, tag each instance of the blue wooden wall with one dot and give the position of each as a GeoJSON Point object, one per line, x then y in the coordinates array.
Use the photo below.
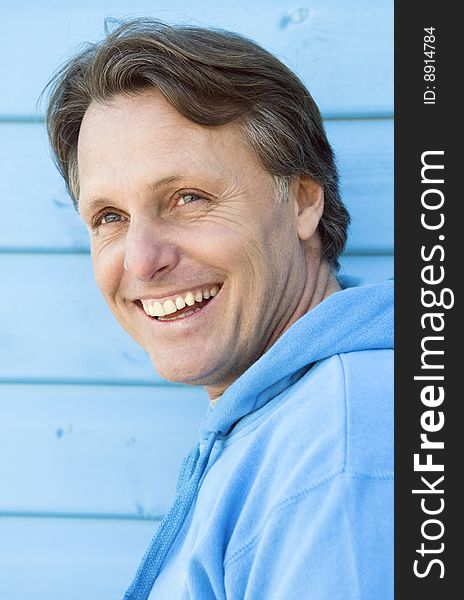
{"type": "Point", "coordinates": [90, 437]}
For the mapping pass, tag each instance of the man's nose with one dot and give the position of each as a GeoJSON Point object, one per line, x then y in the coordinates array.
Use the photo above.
{"type": "Point", "coordinates": [149, 251]}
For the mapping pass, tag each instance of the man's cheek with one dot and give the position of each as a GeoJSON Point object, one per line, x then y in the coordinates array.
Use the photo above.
{"type": "Point", "coordinates": [107, 268]}
{"type": "Point", "coordinates": [107, 289]}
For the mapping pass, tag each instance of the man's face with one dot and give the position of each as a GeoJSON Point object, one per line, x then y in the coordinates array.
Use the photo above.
{"type": "Point", "coordinates": [184, 216]}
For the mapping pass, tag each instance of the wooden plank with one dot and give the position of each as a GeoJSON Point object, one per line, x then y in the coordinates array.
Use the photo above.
{"type": "Point", "coordinates": [95, 450]}
{"type": "Point", "coordinates": [367, 269]}
{"type": "Point", "coordinates": [37, 214]}
{"type": "Point", "coordinates": [364, 153]}
{"type": "Point", "coordinates": [70, 559]}
{"type": "Point", "coordinates": [343, 52]}
{"type": "Point", "coordinates": [55, 327]}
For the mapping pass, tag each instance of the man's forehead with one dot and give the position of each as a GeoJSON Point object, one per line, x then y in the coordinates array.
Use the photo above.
{"type": "Point", "coordinates": [148, 116]}
{"type": "Point", "coordinates": [144, 138]}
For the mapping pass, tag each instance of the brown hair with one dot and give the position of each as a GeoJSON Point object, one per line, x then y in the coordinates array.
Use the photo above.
{"type": "Point", "coordinates": [211, 77]}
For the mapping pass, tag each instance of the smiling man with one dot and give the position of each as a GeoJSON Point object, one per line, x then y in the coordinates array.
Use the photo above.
{"type": "Point", "coordinates": [201, 168]}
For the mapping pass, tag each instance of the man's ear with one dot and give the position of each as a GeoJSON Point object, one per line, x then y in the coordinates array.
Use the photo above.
{"type": "Point", "coordinates": [308, 198]}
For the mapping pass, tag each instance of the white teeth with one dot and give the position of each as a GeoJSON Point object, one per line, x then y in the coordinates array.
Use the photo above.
{"type": "Point", "coordinates": [169, 307]}
{"type": "Point", "coordinates": [154, 309]}
{"type": "Point", "coordinates": [146, 306]}
{"type": "Point", "coordinates": [180, 302]}
{"type": "Point", "coordinates": [189, 299]}
{"type": "Point", "coordinates": [158, 309]}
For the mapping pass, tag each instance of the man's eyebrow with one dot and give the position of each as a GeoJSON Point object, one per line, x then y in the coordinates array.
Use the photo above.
{"type": "Point", "coordinates": [97, 201]}
{"type": "Point", "coordinates": [155, 185]}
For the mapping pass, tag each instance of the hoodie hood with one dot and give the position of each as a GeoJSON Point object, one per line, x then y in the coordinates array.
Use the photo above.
{"type": "Point", "coordinates": [354, 319]}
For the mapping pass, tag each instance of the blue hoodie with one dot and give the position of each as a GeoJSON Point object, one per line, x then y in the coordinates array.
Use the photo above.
{"type": "Point", "coordinates": [289, 494]}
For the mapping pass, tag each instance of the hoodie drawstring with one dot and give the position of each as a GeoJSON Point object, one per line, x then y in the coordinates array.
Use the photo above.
{"type": "Point", "coordinates": [190, 475]}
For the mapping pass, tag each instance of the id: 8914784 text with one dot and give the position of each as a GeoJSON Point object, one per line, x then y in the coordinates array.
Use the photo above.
{"type": "Point", "coordinates": [430, 74]}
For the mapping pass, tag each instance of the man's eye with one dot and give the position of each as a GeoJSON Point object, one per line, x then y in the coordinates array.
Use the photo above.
{"type": "Point", "coordinates": [188, 198]}
{"type": "Point", "coordinates": [109, 217]}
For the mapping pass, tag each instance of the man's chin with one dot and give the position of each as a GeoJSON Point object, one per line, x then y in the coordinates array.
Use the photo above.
{"type": "Point", "coordinates": [189, 374]}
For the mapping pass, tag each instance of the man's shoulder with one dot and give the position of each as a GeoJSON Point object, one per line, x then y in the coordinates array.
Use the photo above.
{"type": "Point", "coordinates": [368, 379]}
{"type": "Point", "coordinates": [334, 423]}
{"type": "Point", "coordinates": [325, 441]}
{"type": "Point", "coordinates": [339, 416]}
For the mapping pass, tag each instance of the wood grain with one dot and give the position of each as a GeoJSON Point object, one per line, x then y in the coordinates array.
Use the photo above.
{"type": "Point", "coordinates": [72, 559]}
{"type": "Point", "coordinates": [344, 53]}
{"type": "Point", "coordinates": [107, 451]}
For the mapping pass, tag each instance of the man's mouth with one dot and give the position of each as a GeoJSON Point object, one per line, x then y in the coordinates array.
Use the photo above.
{"type": "Point", "coordinates": [179, 307]}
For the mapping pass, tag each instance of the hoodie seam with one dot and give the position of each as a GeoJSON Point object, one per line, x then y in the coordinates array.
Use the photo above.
{"type": "Point", "coordinates": [294, 499]}
{"type": "Point", "coordinates": [348, 460]}
{"type": "Point", "coordinates": [345, 404]}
